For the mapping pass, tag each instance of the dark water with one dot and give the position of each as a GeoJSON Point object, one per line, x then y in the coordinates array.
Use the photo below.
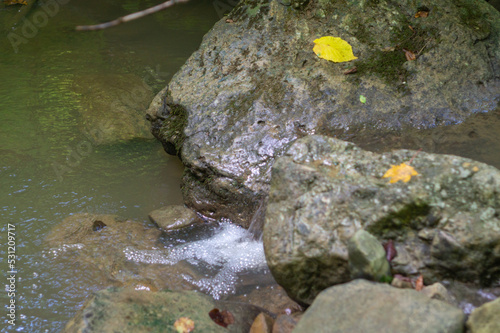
{"type": "Point", "coordinates": [477, 138]}
{"type": "Point", "coordinates": [39, 128]}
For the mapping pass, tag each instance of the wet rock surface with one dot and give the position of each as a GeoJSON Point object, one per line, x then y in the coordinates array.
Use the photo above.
{"type": "Point", "coordinates": [128, 310]}
{"type": "Point", "coordinates": [113, 107]}
{"type": "Point", "coordinates": [362, 306]}
{"type": "Point", "coordinates": [286, 323]}
{"type": "Point", "coordinates": [174, 217]}
{"type": "Point", "coordinates": [271, 297]}
{"type": "Point", "coordinates": [240, 100]}
{"type": "Point", "coordinates": [98, 245]}
{"type": "Point", "coordinates": [444, 222]}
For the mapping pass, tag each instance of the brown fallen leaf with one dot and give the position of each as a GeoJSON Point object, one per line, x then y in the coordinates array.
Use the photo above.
{"type": "Point", "coordinates": [419, 283]}
{"type": "Point", "coordinates": [351, 71]}
{"type": "Point", "coordinates": [184, 325]}
{"type": "Point", "coordinates": [390, 250]}
{"type": "Point", "coordinates": [422, 13]}
{"type": "Point", "coordinates": [410, 56]}
{"type": "Point", "coordinates": [222, 318]}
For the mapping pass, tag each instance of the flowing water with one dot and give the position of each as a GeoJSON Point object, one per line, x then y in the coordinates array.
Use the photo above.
{"type": "Point", "coordinates": [40, 131]}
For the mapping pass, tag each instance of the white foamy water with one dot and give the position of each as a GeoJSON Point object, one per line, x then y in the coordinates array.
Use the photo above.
{"type": "Point", "coordinates": [56, 251]}
{"type": "Point", "coordinates": [230, 251]}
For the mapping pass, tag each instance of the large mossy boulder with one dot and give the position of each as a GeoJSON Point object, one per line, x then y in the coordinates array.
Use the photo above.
{"type": "Point", "coordinates": [362, 306]}
{"type": "Point", "coordinates": [255, 85]}
{"type": "Point", "coordinates": [444, 221]}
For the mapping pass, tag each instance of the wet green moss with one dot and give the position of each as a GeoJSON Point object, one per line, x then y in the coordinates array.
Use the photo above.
{"type": "Point", "coordinates": [152, 318]}
{"type": "Point", "coordinates": [472, 17]}
{"type": "Point", "coordinates": [172, 130]}
{"type": "Point", "coordinates": [386, 39]}
{"type": "Point", "coordinates": [409, 217]}
{"type": "Point", "coordinates": [253, 10]}
{"type": "Point", "coordinates": [389, 64]}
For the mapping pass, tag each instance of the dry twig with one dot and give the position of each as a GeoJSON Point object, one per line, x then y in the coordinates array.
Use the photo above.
{"type": "Point", "coordinates": [130, 17]}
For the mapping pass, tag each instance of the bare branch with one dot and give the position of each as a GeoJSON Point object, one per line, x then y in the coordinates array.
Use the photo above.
{"type": "Point", "coordinates": [130, 17]}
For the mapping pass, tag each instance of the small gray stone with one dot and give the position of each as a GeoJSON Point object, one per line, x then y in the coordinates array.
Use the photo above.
{"type": "Point", "coordinates": [363, 306]}
{"type": "Point", "coordinates": [367, 257]}
{"type": "Point", "coordinates": [439, 292]}
{"type": "Point", "coordinates": [173, 217]}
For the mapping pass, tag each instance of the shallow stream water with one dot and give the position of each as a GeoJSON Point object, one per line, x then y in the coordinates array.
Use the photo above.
{"type": "Point", "coordinates": [39, 128]}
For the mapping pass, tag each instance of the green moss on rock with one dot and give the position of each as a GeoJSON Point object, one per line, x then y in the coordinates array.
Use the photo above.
{"type": "Point", "coordinates": [172, 129]}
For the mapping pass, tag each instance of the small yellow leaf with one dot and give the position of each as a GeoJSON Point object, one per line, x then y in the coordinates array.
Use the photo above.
{"type": "Point", "coordinates": [184, 325]}
{"type": "Point", "coordinates": [401, 172]}
{"type": "Point", "coordinates": [334, 49]}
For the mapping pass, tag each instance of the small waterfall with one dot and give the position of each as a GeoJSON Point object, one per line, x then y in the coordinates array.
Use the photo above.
{"type": "Point", "coordinates": [222, 257]}
{"type": "Point", "coordinates": [225, 253]}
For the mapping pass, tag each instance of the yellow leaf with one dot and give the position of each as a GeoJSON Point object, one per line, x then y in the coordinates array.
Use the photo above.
{"type": "Point", "coordinates": [334, 49]}
{"type": "Point", "coordinates": [401, 172]}
{"type": "Point", "coordinates": [184, 325]}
